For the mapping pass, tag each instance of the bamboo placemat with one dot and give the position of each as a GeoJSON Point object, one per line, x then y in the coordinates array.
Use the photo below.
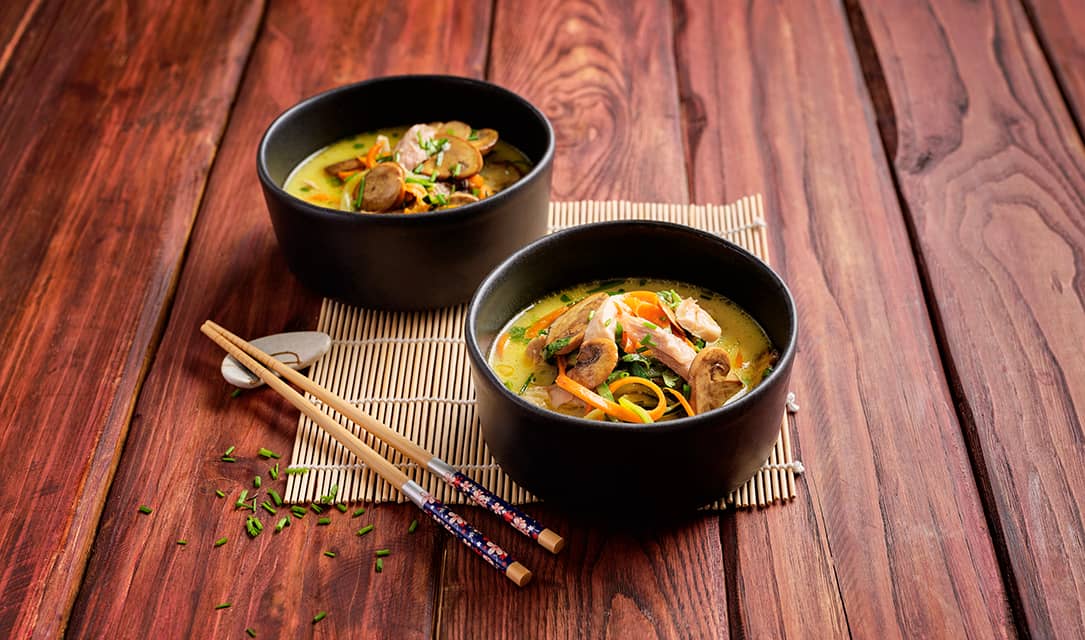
{"type": "Point", "coordinates": [410, 370]}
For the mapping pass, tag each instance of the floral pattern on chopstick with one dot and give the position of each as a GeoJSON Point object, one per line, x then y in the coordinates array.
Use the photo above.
{"type": "Point", "coordinates": [521, 521]}
{"type": "Point", "coordinates": [494, 555]}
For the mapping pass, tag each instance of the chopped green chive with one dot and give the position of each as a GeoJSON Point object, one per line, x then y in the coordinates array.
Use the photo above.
{"type": "Point", "coordinates": [229, 451]}
{"type": "Point", "coordinates": [251, 632]}
{"type": "Point", "coordinates": [342, 507]}
{"type": "Point", "coordinates": [267, 507]}
{"type": "Point", "coordinates": [324, 521]}
{"type": "Point", "coordinates": [414, 525]}
{"type": "Point", "coordinates": [320, 616]}
{"type": "Point", "coordinates": [274, 472]}
{"type": "Point", "coordinates": [383, 552]}
{"type": "Point", "coordinates": [330, 554]}
{"type": "Point", "coordinates": [330, 497]}
{"type": "Point", "coordinates": [182, 542]}
{"type": "Point", "coordinates": [282, 524]}
{"type": "Point", "coordinates": [224, 605]}
{"type": "Point", "coordinates": [357, 512]}
{"type": "Point", "coordinates": [267, 453]}
{"type": "Point", "coordinates": [228, 459]}
{"type": "Point", "coordinates": [256, 482]}
{"type": "Point", "coordinates": [253, 526]}
{"type": "Point", "coordinates": [275, 497]}
{"type": "Point", "coordinates": [364, 530]}
{"type": "Point", "coordinates": [379, 565]}
{"type": "Point", "coordinates": [241, 499]}
{"type": "Point", "coordinates": [220, 542]}
{"type": "Point", "coordinates": [235, 393]}
{"type": "Point", "coordinates": [145, 509]}
{"type": "Point", "coordinates": [298, 511]}
{"type": "Point", "coordinates": [220, 493]}
{"type": "Point", "coordinates": [316, 508]}
{"type": "Point", "coordinates": [296, 471]}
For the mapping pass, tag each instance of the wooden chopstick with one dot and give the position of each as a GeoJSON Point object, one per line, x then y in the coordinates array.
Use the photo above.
{"type": "Point", "coordinates": [494, 555]}
{"type": "Point", "coordinates": [509, 513]}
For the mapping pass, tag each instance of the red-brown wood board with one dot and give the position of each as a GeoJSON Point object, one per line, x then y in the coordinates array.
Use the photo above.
{"type": "Point", "coordinates": [234, 275]}
{"type": "Point", "coordinates": [993, 176]}
{"type": "Point", "coordinates": [783, 110]}
{"type": "Point", "coordinates": [110, 121]}
{"type": "Point", "coordinates": [924, 180]}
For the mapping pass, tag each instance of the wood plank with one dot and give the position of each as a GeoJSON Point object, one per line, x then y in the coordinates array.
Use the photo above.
{"type": "Point", "coordinates": [15, 16]}
{"type": "Point", "coordinates": [106, 159]}
{"type": "Point", "coordinates": [1058, 26]}
{"type": "Point", "coordinates": [604, 73]}
{"type": "Point", "coordinates": [235, 275]}
{"type": "Point", "coordinates": [888, 536]}
{"type": "Point", "coordinates": [993, 172]}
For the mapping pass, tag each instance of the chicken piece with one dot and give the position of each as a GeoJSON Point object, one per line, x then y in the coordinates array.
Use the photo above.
{"type": "Point", "coordinates": [594, 362]}
{"type": "Point", "coordinates": [664, 345]}
{"type": "Point", "coordinates": [601, 325]}
{"type": "Point", "coordinates": [709, 385]}
{"type": "Point", "coordinates": [570, 326]}
{"type": "Point", "coordinates": [411, 154]}
{"type": "Point", "coordinates": [696, 320]}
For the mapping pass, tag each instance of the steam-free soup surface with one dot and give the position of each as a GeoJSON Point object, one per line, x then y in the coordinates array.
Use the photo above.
{"type": "Point", "coordinates": [635, 350]}
{"type": "Point", "coordinates": [409, 169]}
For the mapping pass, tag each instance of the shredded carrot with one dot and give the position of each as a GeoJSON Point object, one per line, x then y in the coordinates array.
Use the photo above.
{"type": "Point", "coordinates": [593, 399]}
{"type": "Point", "coordinates": [660, 408]}
{"type": "Point", "coordinates": [371, 157]}
{"type": "Point", "coordinates": [654, 315]}
{"type": "Point", "coordinates": [682, 399]}
{"type": "Point", "coordinates": [476, 181]}
{"type": "Point", "coordinates": [542, 323]}
{"type": "Point", "coordinates": [345, 175]}
{"type": "Point", "coordinates": [502, 342]}
{"type": "Point", "coordinates": [738, 360]}
{"type": "Point", "coordinates": [321, 197]}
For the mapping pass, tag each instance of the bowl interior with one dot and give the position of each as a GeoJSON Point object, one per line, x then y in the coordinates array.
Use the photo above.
{"type": "Point", "coordinates": [612, 250]}
{"type": "Point", "coordinates": [396, 101]}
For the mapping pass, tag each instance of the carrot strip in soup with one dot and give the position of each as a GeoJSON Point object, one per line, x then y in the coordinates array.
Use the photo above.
{"type": "Point", "coordinates": [681, 399]}
{"type": "Point", "coordinates": [660, 408]}
{"type": "Point", "coordinates": [592, 399]}
{"type": "Point", "coordinates": [502, 342]}
{"type": "Point", "coordinates": [542, 323]}
{"type": "Point", "coordinates": [371, 157]}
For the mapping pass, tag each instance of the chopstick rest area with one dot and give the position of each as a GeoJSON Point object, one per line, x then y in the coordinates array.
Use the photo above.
{"type": "Point", "coordinates": [259, 362]}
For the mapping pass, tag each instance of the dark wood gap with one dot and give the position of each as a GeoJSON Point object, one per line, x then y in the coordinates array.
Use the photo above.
{"type": "Point", "coordinates": [17, 35]}
{"type": "Point", "coordinates": [490, 42]}
{"type": "Point", "coordinates": [1052, 63]}
{"type": "Point", "coordinates": [874, 77]}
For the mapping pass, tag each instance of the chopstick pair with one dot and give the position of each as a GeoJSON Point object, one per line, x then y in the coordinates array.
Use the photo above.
{"type": "Point", "coordinates": [259, 363]}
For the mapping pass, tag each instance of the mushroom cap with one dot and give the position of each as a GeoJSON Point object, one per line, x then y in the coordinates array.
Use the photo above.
{"type": "Point", "coordinates": [595, 361]}
{"type": "Point", "coordinates": [459, 152]}
{"type": "Point", "coordinates": [573, 322]}
{"type": "Point", "coordinates": [709, 386]}
{"type": "Point", "coordinates": [383, 188]}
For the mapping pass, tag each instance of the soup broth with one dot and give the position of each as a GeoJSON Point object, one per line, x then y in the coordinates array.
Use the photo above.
{"type": "Point", "coordinates": [693, 348]}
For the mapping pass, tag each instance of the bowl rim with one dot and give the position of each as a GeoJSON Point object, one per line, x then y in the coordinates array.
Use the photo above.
{"type": "Point", "coordinates": [336, 215]}
{"type": "Point", "coordinates": [482, 366]}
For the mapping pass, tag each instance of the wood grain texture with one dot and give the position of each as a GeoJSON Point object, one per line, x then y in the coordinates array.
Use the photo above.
{"type": "Point", "coordinates": [235, 276]}
{"type": "Point", "coordinates": [1058, 25]}
{"type": "Point", "coordinates": [889, 537]}
{"type": "Point", "coordinates": [993, 172]}
{"type": "Point", "coordinates": [15, 17]}
{"type": "Point", "coordinates": [614, 106]}
{"type": "Point", "coordinates": [105, 159]}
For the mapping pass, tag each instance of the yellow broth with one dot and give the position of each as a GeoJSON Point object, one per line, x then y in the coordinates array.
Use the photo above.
{"type": "Point", "coordinates": [749, 350]}
{"type": "Point", "coordinates": [503, 165]}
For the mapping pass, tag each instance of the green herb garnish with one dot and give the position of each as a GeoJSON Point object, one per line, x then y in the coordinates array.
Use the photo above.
{"type": "Point", "coordinates": [357, 512]}
{"type": "Point", "coordinates": [229, 451]}
{"type": "Point", "coordinates": [330, 554]}
{"type": "Point", "coordinates": [144, 509]}
{"type": "Point", "coordinates": [251, 632]}
{"type": "Point", "coordinates": [224, 605]}
{"type": "Point", "coordinates": [523, 387]}
{"type": "Point", "coordinates": [647, 341]}
{"type": "Point", "coordinates": [220, 493]}
{"type": "Point", "coordinates": [555, 346]}
{"type": "Point", "coordinates": [381, 553]}
{"type": "Point", "coordinates": [324, 521]}
{"type": "Point", "coordinates": [517, 334]}
{"type": "Point", "coordinates": [274, 472]}
{"type": "Point", "coordinates": [220, 542]}
{"type": "Point", "coordinates": [320, 616]}
{"type": "Point", "coordinates": [256, 482]}
{"type": "Point", "coordinates": [296, 471]}
{"type": "Point", "coordinates": [414, 525]}
{"type": "Point", "coordinates": [670, 297]}
{"type": "Point", "coordinates": [379, 565]}
{"type": "Point", "coordinates": [182, 542]}
{"type": "Point", "coordinates": [267, 453]}
{"type": "Point", "coordinates": [282, 524]}
{"type": "Point", "coordinates": [364, 530]}
{"type": "Point", "coordinates": [275, 497]}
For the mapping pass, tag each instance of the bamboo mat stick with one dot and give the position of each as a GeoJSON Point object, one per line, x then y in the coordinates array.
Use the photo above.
{"type": "Point", "coordinates": [457, 526]}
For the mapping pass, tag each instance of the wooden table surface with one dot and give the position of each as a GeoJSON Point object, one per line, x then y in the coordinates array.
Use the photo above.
{"type": "Point", "coordinates": [924, 179]}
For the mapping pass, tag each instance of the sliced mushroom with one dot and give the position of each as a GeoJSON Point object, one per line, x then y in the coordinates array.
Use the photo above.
{"type": "Point", "coordinates": [458, 199]}
{"type": "Point", "coordinates": [352, 164]}
{"type": "Point", "coordinates": [571, 324]}
{"type": "Point", "coordinates": [709, 386]}
{"type": "Point", "coordinates": [454, 128]}
{"type": "Point", "coordinates": [484, 141]}
{"type": "Point", "coordinates": [383, 188]}
{"type": "Point", "coordinates": [459, 160]}
{"type": "Point", "coordinates": [595, 361]}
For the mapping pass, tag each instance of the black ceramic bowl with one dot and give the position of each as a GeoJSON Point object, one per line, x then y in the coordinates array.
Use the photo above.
{"type": "Point", "coordinates": [671, 466]}
{"type": "Point", "coordinates": [402, 262]}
